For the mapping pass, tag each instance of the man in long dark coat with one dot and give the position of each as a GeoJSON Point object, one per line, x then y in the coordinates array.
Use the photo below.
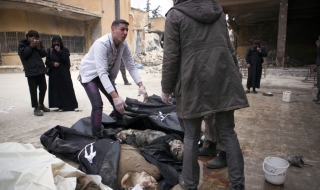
{"type": "Point", "coordinates": [199, 68]}
{"type": "Point", "coordinates": [317, 68]}
{"type": "Point", "coordinates": [254, 59]}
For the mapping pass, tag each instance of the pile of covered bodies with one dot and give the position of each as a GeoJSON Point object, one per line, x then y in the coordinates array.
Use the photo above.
{"type": "Point", "coordinates": [145, 149]}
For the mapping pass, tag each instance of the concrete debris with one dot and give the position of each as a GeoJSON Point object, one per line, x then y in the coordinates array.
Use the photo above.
{"type": "Point", "coordinates": [75, 60]}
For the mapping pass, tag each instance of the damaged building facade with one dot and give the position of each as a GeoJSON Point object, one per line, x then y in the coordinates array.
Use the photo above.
{"type": "Point", "coordinates": [289, 28]}
{"type": "Point", "coordinates": [79, 22]}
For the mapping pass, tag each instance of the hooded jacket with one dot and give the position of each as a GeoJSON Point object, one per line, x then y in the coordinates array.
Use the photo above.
{"type": "Point", "coordinates": [199, 64]}
{"type": "Point", "coordinates": [31, 58]}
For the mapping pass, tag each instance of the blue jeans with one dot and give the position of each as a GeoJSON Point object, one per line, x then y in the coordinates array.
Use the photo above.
{"type": "Point", "coordinates": [92, 89]}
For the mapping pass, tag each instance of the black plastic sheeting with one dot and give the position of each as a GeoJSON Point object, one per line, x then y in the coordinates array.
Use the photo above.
{"type": "Point", "coordinates": [152, 106]}
{"type": "Point", "coordinates": [70, 142]}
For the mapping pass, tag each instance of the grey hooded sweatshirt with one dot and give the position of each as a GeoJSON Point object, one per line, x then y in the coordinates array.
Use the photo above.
{"type": "Point", "coordinates": [199, 65]}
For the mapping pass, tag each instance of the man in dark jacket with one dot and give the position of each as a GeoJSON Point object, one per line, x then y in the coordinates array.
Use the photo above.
{"type": "Point", "coordinates": [199, 68]}
{"type": "Point", "coordinates": [31, 53]}
{"type": "Point", "coordinates": [254, 59]}
{"type": "Point", "coordinates": [317, 68]}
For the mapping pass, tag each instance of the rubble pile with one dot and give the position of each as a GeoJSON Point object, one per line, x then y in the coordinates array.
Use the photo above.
{"type": "Point", "coordinates": [75, 60]}
{"type": "Point", "coordinates": [152, 56]}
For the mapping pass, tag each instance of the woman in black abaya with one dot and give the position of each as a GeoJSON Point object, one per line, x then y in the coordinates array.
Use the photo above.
{"type": "Point", "coordinates": [61, 92]}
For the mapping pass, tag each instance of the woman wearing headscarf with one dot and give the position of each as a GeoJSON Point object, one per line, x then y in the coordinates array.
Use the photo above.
{"type": "Point", "coordinates": [61, 92]}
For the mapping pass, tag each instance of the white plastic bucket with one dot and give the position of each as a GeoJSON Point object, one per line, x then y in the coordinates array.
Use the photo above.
{"type": "Point", "coordinates": [275, 170]}
{"type": "Point", "coordinates": [286, 96]}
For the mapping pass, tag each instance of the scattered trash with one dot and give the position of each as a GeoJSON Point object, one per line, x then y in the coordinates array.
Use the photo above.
{"type": "Point", "coordinates": [286, 96]}
{"type": "Point", "coordinates": [275, 170]}
{"type": "Point", "coordinates": [297, 161]}
{"type": "Point", "coordinates": [139, 67]}
{"type": "Point", "coordinates": [268, 94]}
{"type": "Point", "coordinates": [6, 110]}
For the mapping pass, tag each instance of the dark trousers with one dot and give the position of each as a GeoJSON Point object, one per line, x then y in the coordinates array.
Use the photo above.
{"type": "Point", "coordinates": [318, 82]}
{"type": "Point", "coordinates": [123, 72]}
{"type": "Point", "coordinates": [225, 124]}
{"type": "Point", "coordinates": [35, 82]}
{"type": "Point", "coordinates": [92, 89]}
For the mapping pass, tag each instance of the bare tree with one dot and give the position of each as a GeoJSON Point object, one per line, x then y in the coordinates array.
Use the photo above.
{"type": "Point", "coordinates": [155, 12]}
{"type": "Point", "coordinates": [148, 6]}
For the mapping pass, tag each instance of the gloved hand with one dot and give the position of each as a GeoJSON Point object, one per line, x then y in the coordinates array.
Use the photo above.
{"type": "Point", "coordinates": [165, 98]}
{"type": "Point", "coordinates": [142, 90]}
{"type": "Point", "coordinates": [119, 104]}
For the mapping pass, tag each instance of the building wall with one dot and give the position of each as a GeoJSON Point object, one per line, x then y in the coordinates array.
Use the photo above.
{"type": "Point", "coordinates": [23, 21]}
{"type": "Point", "coordinates": [17, 20]}
{"type": "Point", "coordinates": [300, 41]}
{"type": "Point", "coordinates": [140, 18]}
{"type": "Point", "coordinates": [266, 33]}
{"type": "Point", "coordinates": [158, 23]}
{"type": "Point", "coordinates": [93, 6]}
{"type": "Point", "coordinates": [125, 8]}
{"type": "Point", "coordinates": [139, 21]}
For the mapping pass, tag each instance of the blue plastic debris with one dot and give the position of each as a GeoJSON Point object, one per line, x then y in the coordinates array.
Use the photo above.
{"type": "Point", "coordinates": [139, 67]}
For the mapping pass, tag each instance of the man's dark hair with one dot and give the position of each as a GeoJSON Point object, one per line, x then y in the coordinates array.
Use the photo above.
{"type": "Point", "coordinates": [256, 42]}
{"type": "Point", "coordinates": [119, 21]}
{"type": "Point", "coordinates": [32, 33]}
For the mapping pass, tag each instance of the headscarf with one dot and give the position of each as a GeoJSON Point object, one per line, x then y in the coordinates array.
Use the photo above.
{"type": "Point", "coordinates": [54, 38]}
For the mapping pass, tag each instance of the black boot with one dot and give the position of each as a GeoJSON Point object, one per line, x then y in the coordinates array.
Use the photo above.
{"type": "Point", "coordinates": [208, 149]}
{"type": "Point", "coordinates": [218, 162]}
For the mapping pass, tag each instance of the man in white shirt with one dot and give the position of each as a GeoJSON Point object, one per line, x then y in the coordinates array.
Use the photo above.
{"type": "Point", "coordinates": [99, 69]}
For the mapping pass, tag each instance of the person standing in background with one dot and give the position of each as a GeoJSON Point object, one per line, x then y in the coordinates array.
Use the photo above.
{"type": "Point", "coordinates": [61, 92]}
{"type": "Point", "coordinates": [31, 52]}
{"type": "Point", "coordinates": [123, 73]}
{"type": "Point", "coordinates": [317, 69]}
{"type": "Point", "coordinates": [254, 59]}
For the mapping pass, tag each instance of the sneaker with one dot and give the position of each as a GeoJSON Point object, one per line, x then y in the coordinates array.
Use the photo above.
{"type": "Point", "coordinates": [207, 151]}
{"type": "Point", "coordinates": [44, 109]}
{"type": "Point", "coordinates": [37, 112]}
{"type": "Point", "coordinates": [254, 92]}
{"type": "Point", "coordinates": [60, 110]}
{"type": "Point", "coordinates": [218, 162]}
{"type": "Point", "coordinates": [127, 83]}
{"type": "Point", "coordinates": [247, 91]}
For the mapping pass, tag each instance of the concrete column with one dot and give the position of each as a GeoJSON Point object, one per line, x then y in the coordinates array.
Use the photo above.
{"type": "Point", "coordinates": [282, 31]}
